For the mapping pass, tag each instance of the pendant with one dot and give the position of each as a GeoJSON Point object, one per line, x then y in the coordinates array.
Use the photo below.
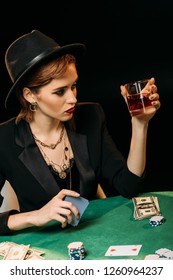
{"type": "Point", "coordinates": [62, 175]}
{"type": "Point", "coordinates": [52, 146]}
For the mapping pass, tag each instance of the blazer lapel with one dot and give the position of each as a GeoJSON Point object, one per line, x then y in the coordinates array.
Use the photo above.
{"type": "Point", "coordinates": [32, 159]}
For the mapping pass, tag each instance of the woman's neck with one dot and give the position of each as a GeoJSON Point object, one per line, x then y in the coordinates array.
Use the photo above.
{"type": "Point", "coordinates": [46, 130]}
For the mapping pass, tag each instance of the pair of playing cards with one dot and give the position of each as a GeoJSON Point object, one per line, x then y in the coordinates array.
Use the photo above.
{"type": "Point", "coordinates": [123, 250]}
{"type": "Point", "coordinates": [81, 203]}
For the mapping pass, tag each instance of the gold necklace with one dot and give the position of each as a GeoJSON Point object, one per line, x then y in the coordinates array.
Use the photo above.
{"type": "Point", "coordinates": [62, 173]}
{"type": "Point", "coordinates": [65, 164]}
{"type": "Point", "coordinates": [51, 146]}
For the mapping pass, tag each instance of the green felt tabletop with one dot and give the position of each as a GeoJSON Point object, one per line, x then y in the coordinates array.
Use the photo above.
{"type": "Point", "coordinates": [106, 222]}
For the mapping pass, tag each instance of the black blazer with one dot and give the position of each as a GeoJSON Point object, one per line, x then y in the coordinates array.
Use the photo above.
{"type": "Point", "coordinates": [96, 155]}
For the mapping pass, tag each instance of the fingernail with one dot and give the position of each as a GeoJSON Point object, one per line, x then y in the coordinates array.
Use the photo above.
{"type": "Point", "coordinates": [78, 216]}
{"type": "Point", "coordinates": [154, 103]}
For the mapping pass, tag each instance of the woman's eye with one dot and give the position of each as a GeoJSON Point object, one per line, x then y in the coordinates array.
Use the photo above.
{"type": "Point", "coordinates": [74, 86]}
{"type": "Point", "coordinates": [60, 92]}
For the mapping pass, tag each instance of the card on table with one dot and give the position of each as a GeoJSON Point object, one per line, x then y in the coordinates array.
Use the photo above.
{"type": "Point", "coordinates": [123, 250]}
{"type": "Point", "coordinates": [81, 203]}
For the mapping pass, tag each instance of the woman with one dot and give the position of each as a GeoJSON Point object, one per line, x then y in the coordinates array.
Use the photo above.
{"type": "Point", "coordinates": [56, 147]}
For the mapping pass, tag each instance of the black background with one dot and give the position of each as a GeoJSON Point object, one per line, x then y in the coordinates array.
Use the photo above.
{"type": "Point", "coordinates": [126, 41]}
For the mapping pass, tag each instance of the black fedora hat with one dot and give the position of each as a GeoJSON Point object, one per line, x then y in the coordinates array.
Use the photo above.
{"type": "Point", "coordinates": [31, 49]}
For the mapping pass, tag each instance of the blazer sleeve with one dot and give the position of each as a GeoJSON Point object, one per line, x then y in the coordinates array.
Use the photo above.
{"type": "Point", "coordinates": [4, 229]}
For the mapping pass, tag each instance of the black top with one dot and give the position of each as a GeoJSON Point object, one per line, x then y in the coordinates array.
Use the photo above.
{"type": "Point", "coordinates": [72, 177]}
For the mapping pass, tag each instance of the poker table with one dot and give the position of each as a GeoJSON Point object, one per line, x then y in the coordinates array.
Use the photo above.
{"type": "Point", "coordinates": [106, 222]}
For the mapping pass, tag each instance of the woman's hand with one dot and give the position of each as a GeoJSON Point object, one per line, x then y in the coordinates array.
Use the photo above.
{"type": "Point", "coordinates": [57, 209]}
{"type": "Point", "coordinates": [151, 89]}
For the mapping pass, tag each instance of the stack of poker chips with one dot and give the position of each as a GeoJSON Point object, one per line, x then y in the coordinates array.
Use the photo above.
{"type": "Point", "coordinates": [76, 250]}
{"type": "Point", "coordinates": [156, 220]}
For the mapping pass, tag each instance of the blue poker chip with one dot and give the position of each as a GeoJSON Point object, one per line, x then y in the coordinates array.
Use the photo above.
{"type": "Point", "coordinates": [156, 220]}
{"type": "Point", "coordinates": [76, 250]}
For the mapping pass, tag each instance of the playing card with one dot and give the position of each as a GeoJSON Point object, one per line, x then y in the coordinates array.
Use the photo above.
{"type": "Point", "coordinates": [81, 203]}
{"type": "Point", "coordinates": [123, 250]}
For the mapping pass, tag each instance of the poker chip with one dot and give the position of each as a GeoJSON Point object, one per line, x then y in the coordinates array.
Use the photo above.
{"type": "Point", "coordinates": [76, 250]}
{"type": "Point", "coordinates": [156, 220]}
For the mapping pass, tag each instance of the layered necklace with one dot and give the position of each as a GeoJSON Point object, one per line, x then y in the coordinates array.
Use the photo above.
{"type": "Point", "coordinates": [59, 169]}
{"type": "Point", "coordinates": [51, 146]}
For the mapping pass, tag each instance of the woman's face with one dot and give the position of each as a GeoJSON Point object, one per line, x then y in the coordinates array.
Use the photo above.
{"type": "Point", "coordinates": [57, 99]}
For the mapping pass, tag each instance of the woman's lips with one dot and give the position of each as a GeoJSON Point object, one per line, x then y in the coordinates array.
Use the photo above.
{"type": "Point", "coordinates": [71, 110]}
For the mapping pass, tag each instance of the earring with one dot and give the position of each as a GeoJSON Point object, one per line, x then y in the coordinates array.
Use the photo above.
{"type": "Point", "coordinates": [33, 106]}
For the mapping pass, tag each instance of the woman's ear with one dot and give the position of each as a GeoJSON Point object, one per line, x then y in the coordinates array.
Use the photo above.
{"type": "Point", "coordinates": [27, 94]}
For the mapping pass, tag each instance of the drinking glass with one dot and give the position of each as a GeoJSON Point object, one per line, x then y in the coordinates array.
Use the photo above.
{"type": "Point", "coordinates": [138, 97]}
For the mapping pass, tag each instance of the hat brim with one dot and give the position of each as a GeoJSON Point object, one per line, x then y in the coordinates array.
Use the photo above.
{"type": "Point", "coordinates": [77, 49]}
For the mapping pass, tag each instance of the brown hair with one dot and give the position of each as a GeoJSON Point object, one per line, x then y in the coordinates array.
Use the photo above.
{"type": "Point", "coordinates": [39, 77]}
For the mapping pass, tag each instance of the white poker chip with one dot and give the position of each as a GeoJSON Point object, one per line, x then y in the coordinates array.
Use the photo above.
{"type": "Point", "coordinates": [157, 218]}
{"type": "Point", "coordinates": [75, 245]}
